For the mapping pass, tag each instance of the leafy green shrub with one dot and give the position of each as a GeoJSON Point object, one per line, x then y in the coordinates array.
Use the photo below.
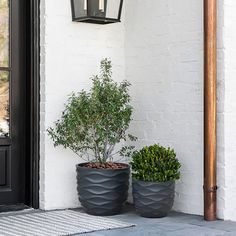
{"type": "Point", "coordinates": [156, 164]}
{"type": "Point", "coordinates": [94, 122]}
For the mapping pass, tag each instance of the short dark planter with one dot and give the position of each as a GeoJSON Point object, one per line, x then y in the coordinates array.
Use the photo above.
{"type": "Point", "coordinates": [102, 191]}
{"type": "Point", "coordinates": [153, 199]}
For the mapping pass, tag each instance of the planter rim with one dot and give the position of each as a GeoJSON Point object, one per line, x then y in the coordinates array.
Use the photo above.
{"type": "Point", "coordinates": [81, 166]}
{"type": "Point", "coordinates": [153, 182]}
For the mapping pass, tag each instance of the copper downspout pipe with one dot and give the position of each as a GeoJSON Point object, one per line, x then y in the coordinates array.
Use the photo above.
{"type": "Point", "coordinates": [210, 24]}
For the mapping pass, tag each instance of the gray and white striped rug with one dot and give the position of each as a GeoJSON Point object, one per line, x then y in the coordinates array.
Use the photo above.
{"type": "Point", "coordinates": [56, 223]}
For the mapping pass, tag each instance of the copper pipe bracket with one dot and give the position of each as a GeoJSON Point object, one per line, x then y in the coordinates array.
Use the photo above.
{"type": "Point", "coordinates": [210, 189]}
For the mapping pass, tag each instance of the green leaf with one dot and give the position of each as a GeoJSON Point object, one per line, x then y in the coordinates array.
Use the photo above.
{"type": "Point", "coordinates": [94, 122]}
{"type": "Point", "coordinates": [155, 163]}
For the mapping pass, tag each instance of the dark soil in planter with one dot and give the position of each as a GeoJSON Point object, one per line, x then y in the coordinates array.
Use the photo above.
{"type": "Point", "coordinates": [107, 165]}
{"type": "Point", "coordinates": [101, 190]}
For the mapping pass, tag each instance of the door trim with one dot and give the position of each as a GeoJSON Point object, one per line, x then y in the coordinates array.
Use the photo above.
{"type": "Point", "coordinates": [34, 100]}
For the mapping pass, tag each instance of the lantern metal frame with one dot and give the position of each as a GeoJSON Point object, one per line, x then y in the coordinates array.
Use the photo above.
{"type": "Point", "coordinates": [95, 19]}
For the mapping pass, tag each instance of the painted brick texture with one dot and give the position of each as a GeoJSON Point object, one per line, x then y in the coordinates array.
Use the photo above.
{"type": "Point", "coordinates": [158, 47]}
{"type": "Point", "coordinates": [229, 51]}
{"type": "Point", "coordinates": [70, 55]}
{"type": "Point", "coordinates": [164, 62]}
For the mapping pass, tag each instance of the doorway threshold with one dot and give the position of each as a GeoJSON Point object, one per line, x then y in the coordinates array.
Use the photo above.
{"type": "Point", "coordinates": [13, 208]}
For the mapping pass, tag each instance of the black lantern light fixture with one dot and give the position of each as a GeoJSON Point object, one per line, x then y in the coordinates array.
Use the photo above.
{"type": "Point", "coordinates": [96, 11]}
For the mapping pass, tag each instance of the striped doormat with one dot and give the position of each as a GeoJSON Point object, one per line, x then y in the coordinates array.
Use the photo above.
{"type": "Point", "coordinates": [56, 223]}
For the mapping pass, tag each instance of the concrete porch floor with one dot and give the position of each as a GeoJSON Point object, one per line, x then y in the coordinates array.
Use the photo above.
{"type": "Point", "coordinates": [176, 224]}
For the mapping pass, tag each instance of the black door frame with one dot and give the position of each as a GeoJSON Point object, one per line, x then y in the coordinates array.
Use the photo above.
{"type": "Point", "coordinates": [34, 101]}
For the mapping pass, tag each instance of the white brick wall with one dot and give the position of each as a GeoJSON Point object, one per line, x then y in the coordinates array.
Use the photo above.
{"type": "Point", "coordinates": [158, 47]}
{"type": "Point", "coordinates": [220, 113]}
{"type": "Point", "coordinates": [70, 54]}
{"type": "Point", "coordinates": [229, 74]}
{"type": "Point", "coordinates": [164, 62]}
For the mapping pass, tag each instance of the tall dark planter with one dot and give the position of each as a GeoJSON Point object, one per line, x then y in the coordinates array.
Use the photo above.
{"type": "Point", "coordinates": [153, 199]}
{"type": "Point", "coordinates": [102, 191]}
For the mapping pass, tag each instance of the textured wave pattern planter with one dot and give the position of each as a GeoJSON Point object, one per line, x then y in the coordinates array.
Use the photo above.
{"type": "Point", "coordinates": [102, 191]}
{"type": "Point", "coordinates": [153, 199]}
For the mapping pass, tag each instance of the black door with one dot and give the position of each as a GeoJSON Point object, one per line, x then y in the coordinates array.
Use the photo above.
{"type": "Point", "coordinates": [13, 110]}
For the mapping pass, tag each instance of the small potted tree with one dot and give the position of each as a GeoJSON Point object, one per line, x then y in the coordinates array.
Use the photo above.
{"type": "Point", "coordinates": [91, 125]}
{"type": "Point", "coordinates": [154, 171]}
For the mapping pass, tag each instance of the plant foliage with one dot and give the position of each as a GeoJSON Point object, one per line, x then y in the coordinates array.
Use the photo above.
{"type": "Point", "coordinates": [156, 164]}
{"type": "Point", "coordinates": [94, 122]}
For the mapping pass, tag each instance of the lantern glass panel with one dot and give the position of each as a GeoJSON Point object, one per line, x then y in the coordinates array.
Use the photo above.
{"type": "Point", "coordinates": [112, 9]}
{"type": "Point", "coordinates": [96, 8]}
{"type": "Point", "coordinates": [80, 8]}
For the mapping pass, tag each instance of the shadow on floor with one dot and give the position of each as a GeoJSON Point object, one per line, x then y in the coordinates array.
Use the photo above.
{"type": "Point", "coordinates": [176, 224]}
